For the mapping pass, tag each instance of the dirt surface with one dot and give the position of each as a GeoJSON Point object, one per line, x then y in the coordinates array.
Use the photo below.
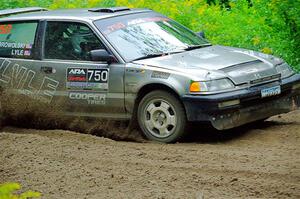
{"type": "Point", "coordinates": [256, 161]}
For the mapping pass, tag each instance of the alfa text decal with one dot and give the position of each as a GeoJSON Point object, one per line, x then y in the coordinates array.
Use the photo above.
{"type": "Point", "coordinates": [87, 79]}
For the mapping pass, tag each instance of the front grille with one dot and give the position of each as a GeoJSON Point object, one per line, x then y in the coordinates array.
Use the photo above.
{"type": "Point", "coordinates": [266, 79]}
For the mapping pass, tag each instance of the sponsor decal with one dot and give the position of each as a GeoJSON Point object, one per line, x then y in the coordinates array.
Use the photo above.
{"type": "Point", "coordinates": [132, 70]}
{"type": "Point", "coordinates": [5, 44]}
{"type": "Point", "coordinates": [5, 29]}
{"type": "Point", "coordinates": [22, 78]}
{"type": "Point", "coordinates": [114, 27]}
{"type": "Point", "coordinates": [90, 98]}
{"type": "Point", "coordinates": [76, 75]}
{"type": "Point", "coordinates": [160, 75]}
{"type": "Point", "coordinates": [16, 52]}
{"type": "Point", "coordinates": [87, 79]}
{"type": "Point", "coordinates": [17, 49]}
{"type": "Point", "coordinates": [77, 71]}
{"type": "Point", "coordinates": [144, 20]}
{"type": "Point", "coordinates": [120, 25]}
{"type": "Point", "coordinates": [76, 79]}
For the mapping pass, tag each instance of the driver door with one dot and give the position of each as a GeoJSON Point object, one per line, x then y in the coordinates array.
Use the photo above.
{"type": "Point", "coordinates": [85, 87]}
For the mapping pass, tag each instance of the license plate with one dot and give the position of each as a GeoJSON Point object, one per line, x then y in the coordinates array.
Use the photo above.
{"type": "Point", "coordinates": [267, 92]}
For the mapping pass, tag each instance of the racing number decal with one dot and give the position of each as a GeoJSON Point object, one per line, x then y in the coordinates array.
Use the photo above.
{"type": "Point", "coordinates": [96, 75]}
{"type": "Point", "coordinates": [87, 79]}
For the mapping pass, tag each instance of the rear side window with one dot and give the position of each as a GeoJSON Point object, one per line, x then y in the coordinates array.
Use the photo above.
{"type": "Point", "coordinates": [70, 41]}
{"type": "Point", "coordinates": [17, 39]}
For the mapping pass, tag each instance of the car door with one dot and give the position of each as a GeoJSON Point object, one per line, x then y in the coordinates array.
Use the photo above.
{"type": "Point", "coordinates": [84, 87]}
{"type": "Point", "coordinates": [19, 72]}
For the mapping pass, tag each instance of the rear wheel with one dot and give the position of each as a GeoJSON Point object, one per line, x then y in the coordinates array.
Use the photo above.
{"type": "Point", "coordinates": [161, 117]}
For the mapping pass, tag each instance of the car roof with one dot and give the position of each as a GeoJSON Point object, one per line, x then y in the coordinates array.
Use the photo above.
{"type": "Point", "coordinates": [71, 14]}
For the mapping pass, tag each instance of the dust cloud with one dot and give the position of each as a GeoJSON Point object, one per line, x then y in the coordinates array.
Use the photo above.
{"type": "Point", "coordinates": [21, 112]}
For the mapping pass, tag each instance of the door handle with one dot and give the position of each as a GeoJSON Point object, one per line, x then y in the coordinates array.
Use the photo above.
{"type": "Point", "coordinates": [47, 69]}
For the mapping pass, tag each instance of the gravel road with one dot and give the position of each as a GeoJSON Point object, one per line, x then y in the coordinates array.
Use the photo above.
{"type": "Point", "coordinates": [260, 160]}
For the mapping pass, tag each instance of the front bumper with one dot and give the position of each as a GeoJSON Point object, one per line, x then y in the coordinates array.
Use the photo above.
{"type": "Point", "coordinates": [251, 106]}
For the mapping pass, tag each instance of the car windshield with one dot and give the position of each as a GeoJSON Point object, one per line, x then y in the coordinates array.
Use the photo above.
{"type": "Point", "coordinates": [139, 36]}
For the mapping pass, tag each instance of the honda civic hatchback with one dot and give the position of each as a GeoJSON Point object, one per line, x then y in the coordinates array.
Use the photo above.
{"type": "Point", "coordinates": [139, 65]}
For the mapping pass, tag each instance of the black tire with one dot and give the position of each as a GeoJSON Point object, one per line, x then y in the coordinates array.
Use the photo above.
{"type": "Point", "coordinates": [161, 117]}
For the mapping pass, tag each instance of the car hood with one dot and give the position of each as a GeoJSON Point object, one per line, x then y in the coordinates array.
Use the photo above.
{"type": "Point", "coordinates": [238, 64]}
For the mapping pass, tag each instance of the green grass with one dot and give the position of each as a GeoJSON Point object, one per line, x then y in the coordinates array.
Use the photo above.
{"type": "Point", "coordinates": [269, 26]}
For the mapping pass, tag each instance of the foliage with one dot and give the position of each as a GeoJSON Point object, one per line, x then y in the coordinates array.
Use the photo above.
{"type": "Point", "coordinates": [7, 192]}
{"type": "Point", "coordinates": [269, 26]}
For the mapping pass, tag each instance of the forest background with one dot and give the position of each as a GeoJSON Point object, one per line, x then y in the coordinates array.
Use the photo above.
{"type": "Point", "coordinates": [268, 26]}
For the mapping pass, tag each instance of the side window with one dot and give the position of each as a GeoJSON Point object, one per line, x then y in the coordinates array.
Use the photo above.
{"type": "Point", "coordinates": [17, 39]}
{"type": "Point", "coordinates": [70, 41]}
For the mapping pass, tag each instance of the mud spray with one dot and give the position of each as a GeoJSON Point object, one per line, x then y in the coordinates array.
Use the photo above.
{"type": "Point", "coordinates": [28, 113]}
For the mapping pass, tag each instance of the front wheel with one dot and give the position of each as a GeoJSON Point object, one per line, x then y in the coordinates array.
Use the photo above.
{"type": "Point", "coordinates": [161, 117]}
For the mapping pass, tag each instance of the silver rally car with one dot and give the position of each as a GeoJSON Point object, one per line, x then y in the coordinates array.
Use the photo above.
{"type": "Point", "coordinates": [137, 64]}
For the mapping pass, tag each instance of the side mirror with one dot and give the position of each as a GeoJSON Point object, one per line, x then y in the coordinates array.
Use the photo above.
{"type": "Point", "coordinates": [101, 55]}
{"type": "Point", "coordinates": [201, 34]}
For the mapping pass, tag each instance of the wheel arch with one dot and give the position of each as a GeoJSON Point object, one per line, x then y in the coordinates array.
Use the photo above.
{"type": "Point", "coordinates": [144, 90]}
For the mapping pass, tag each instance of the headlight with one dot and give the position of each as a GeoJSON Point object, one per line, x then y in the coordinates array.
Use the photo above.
{"type": "Point", "coordinates": [285, 70]}
{"type": "Point", "coordinates": [212, 85]}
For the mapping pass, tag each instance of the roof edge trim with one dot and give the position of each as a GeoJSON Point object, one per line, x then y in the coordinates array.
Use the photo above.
{"type": "Point", "coordinates": [21, 10]}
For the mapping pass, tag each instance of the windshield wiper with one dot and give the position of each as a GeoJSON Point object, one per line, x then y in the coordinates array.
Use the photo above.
{"type": "Point", "coordinates": [157, 55]}
{"type": "Point", "coordinates": [152, 55]}
{"type": "Point", "coordinates": [196, 46]}
{"type": "Point", "coordinates": [149, 56]}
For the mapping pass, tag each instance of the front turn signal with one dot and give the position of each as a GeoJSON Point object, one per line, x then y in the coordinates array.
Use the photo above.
{"type": "Point", "coordinates": [195, 87]}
